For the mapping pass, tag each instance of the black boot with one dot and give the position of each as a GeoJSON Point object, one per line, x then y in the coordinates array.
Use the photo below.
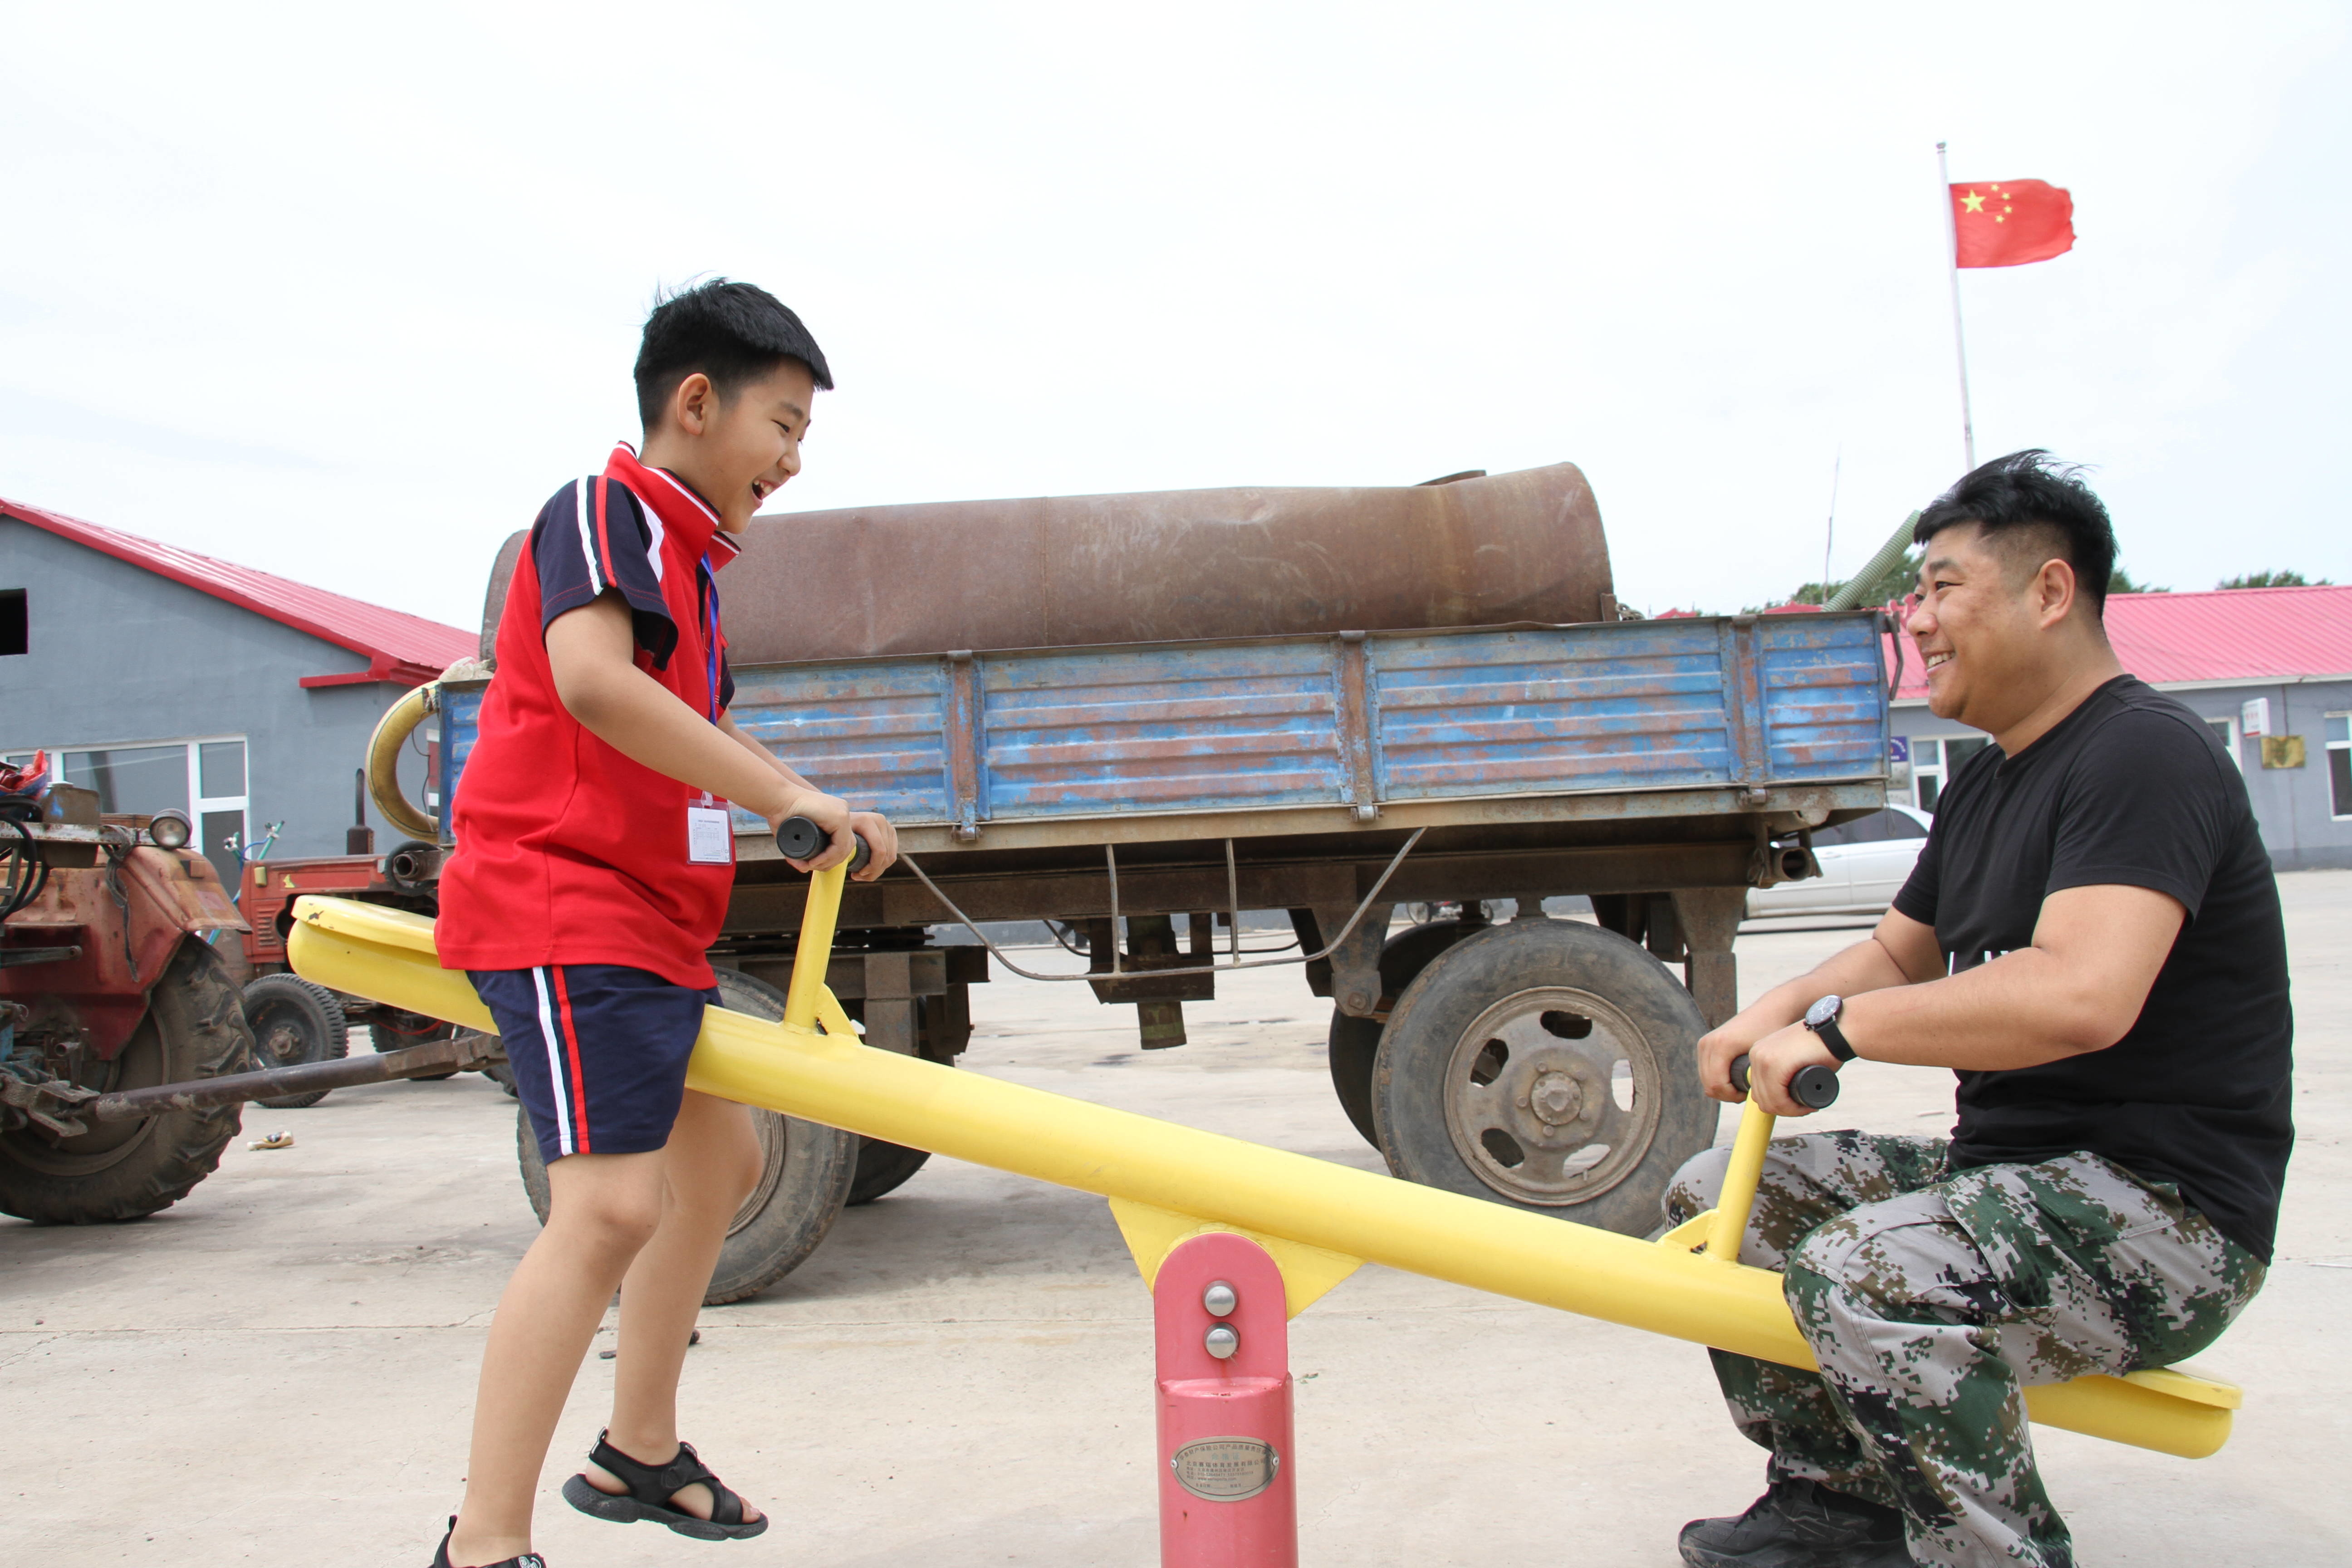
{"type": "Point", "coordinates": [1799, 1524]}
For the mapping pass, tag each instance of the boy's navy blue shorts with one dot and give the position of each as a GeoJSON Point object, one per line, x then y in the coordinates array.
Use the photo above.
{"type": "Point", "coordinates": [598, 1052]}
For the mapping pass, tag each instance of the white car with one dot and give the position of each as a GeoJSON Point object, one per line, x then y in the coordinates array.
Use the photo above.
{"type": "Point", "coordinates": [1863, 864]}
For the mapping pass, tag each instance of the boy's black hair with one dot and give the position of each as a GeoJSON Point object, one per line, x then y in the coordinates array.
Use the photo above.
{"type": "Point", "coordinates": [731, 333]}
{"type": "Point", "coordinates": [2042, 508]}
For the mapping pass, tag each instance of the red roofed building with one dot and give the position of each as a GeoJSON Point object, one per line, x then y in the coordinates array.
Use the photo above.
{"type": "Point", "coordinates": [160, 677]}
{"type": "Point", "coordinates": [2269, 668]}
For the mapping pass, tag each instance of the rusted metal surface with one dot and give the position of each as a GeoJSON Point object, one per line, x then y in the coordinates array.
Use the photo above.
{"type": "Point", "coordinates": [272, 886]}
{"type": "Point", "coordinates": [1709, 919]}
{"type": "Point", "coordinates": [1078, 571]}
{"type": "Point", "coordinates": [463, 1052]}
{"type": "Point", "coordinates": [126, 915]}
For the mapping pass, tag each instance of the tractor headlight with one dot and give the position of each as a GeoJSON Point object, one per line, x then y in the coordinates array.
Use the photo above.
{"type": "Point", "coordinates": [170, 830]}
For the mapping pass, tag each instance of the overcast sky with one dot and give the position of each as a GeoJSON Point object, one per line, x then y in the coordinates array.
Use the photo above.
{"type": "Point", "coordinates": [346, 294]}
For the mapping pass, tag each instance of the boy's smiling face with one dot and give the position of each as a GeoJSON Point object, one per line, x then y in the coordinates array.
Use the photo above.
{"type": "Point", "coordinates": [735, 451]}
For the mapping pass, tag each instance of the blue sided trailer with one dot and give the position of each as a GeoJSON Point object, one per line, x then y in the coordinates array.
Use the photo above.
{"type": "Point", "coordinates": [1148, 797]}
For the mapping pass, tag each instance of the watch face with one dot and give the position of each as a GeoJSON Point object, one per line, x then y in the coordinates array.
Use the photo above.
{"type": "Point", "coordinates": [1824, 1011]}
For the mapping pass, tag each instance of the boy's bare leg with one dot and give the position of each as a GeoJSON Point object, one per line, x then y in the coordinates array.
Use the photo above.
{"type": "Point", "coordinates": [713, 1164]}
{"type": "Point", "coordinates": [603, 1208]}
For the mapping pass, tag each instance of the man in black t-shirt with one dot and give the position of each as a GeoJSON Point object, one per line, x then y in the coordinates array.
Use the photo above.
{"type": "Point", "coordinates": [2092, 942]}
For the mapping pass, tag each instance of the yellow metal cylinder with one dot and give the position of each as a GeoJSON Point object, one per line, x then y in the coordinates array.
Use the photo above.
{"type": "Point", "coordinates": [806, 997]}
{"type": "Point", "coordinates": [1730, 1221]}
{"type": "Point", "coordinates": [387, 956]}
{"type": "Point", "coordinates": [392, 733]}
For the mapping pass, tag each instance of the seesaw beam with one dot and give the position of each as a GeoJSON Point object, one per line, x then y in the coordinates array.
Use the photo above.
{"type": "Point", "coordinates": [387, 956]}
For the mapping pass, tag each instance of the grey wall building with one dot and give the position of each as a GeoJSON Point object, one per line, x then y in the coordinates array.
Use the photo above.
{"type": "Point", "coordinates": [161, 677]}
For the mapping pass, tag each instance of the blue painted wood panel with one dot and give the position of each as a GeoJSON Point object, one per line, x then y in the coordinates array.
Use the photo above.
{"type": "Point", "coordinates": [1556, 708]}
{"type": "Point", "coordinates": [1215, 726]}
{"type": "Point", "coordinates": [1252, 724]}
{"type": "Point", "coordinates": [871, 732]}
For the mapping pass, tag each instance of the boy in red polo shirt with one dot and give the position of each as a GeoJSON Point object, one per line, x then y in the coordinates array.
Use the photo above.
{"type": "Point", "coordinates": [593, 862]}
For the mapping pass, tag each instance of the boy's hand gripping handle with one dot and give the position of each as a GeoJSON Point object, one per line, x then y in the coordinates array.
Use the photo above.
{"type": "Point", "coordinates": [798, 838]}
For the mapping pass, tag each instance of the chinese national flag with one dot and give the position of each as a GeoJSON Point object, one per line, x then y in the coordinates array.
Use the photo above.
{"type": "Point", "coordinates": [2008, 223]}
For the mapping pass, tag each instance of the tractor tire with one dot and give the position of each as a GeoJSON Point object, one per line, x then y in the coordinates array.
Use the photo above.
{"type": "Point", "coordinates": [1548, 1064]}
{"type": "Point", "coordinates": [1355, 1043]}
{"type": "Point", "coordinates": [295, 1023]}
{"type": "Point", "coordinates": [195, 1027]}
{"type": "Point", "coordinates": [806, 1171]}
{"type": "Point", "coordinates": [883, 1169]}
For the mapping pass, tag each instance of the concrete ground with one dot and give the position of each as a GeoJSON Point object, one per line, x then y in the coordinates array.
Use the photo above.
{"type": "Point", "coordinates": [280, 1368]}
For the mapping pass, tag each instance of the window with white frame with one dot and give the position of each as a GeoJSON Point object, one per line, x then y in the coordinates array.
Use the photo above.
{"type": "Point", "coordinates": [203, 777]}
{"type": "Point", "coordinates": [1933, 763]}
{"type": "Point", "coordinates": [2339, 764]}
{"type": "Point", "coordinates": [2225, 730]}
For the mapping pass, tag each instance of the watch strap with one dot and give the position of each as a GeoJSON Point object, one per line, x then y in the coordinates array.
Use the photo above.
{"type": "Point", "coordinates": [1834, 1038]}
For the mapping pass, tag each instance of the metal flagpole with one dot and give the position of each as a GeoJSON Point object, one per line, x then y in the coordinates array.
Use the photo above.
{"type": "Point", "coordinates": [1960, 338]}
{"type": "Point", "coordinates": [1828, 535]}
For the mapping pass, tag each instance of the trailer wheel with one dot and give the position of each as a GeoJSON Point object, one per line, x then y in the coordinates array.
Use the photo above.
{"type": "Point", "coordinates": [1355, 1043]}
{"type": "Point", "coordinates": [883, 1169]}
{"type": "Point", "coordinates": [805, 1172]}
{"type": "Point", "coordinates": [195, 1027]}
{"type": "Point", "coordinates": [295, 1022]}
{"type": "Point", "coordinates": [1546, 1064]}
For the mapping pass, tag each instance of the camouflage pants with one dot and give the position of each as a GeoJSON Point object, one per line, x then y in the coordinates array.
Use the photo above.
{"type": "Point", "coordinates": [1930, 1299]}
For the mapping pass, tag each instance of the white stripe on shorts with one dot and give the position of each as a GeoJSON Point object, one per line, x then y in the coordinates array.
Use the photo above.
{"type": "Point", "coordinates": [554, 1065]}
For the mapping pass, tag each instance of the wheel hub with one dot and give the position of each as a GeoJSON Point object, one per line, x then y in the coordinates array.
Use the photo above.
{"type": "Point", "coordinates": [1551, 1097]}
{"type": "Point", "coordinates": [1556, 1098]}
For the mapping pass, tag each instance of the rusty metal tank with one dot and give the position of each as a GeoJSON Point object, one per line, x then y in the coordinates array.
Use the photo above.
{"type": "Point", "coordinates": [1160, 566]}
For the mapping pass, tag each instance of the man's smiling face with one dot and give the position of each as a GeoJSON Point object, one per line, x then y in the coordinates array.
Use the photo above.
{"type": "Point", "coordinates": [1977, 623]}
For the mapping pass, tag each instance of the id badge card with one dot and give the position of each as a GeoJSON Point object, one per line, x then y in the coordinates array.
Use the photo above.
{"type": "Point", "coordinates": [709, 836]}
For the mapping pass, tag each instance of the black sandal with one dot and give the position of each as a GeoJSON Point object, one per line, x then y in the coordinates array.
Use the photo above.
{"type": "Point", "coordinates": [651, 1488]}
{"type": "Point", "coordinates": [441, 1553]}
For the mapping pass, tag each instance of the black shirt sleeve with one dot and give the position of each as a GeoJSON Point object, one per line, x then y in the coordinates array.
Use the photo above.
{"type": "Point", "coordinates": [2144, 806]}
{"type": "Point", "coordinates": [592, 537]}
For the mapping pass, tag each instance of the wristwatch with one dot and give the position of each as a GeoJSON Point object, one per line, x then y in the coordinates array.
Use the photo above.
{"type": "Point", "coordinates": [1821, 1018]}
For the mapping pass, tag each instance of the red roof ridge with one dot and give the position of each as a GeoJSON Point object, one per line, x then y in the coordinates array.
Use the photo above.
{"type": "Point", "coordinates": [2211, 593]}
{"type": "Point", "coordinates": [401, 648]}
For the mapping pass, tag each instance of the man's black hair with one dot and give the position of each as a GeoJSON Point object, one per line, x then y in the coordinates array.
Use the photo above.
{"type": "Point", "coordinates": [2042, 505]}
{"type": "Point", "coordinates": [732, 333]}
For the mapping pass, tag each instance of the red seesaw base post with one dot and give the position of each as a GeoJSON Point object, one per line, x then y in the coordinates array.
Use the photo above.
{"type": "Point", "coordinates": [1228, 1490]}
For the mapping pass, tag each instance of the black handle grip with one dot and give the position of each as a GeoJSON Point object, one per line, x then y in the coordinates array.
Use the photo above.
{"type": "Point", "coordinates": [1816, 1086]}
{"type": "Point", "coordinates": [798, 838]}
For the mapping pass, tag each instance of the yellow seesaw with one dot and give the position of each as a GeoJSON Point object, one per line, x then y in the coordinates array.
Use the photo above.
{"type": "Point", "coordinates": [1167, 1183]}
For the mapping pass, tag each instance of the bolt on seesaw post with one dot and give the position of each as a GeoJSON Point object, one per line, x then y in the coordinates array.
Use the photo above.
{"type": "Point", "coordinates": [1228, 1490]}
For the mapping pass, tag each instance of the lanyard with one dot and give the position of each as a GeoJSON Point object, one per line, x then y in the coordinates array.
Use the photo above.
{"type": "Point", "coordinates": [709, 587]}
